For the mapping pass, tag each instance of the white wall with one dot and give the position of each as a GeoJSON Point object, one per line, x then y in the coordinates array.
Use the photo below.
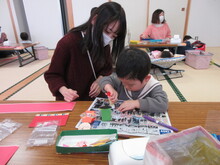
{"type": "Point", "coordinates": [45, 23]}
{"type": "Point", "coordinates": [136, 12]}
{"type": "Point", "coordinates": [204, 21]}
{"type": "Point", "coordinates": [82, 8]}
{"type": "Point", "coordinates": [44, 20]}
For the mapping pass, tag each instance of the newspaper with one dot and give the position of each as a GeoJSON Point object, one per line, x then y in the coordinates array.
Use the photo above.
{"type": "Point", "coordinates": [127, 123]}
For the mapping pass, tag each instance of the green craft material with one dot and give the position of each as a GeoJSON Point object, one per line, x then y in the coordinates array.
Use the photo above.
{"type": "Point", "coordinates": [106, 114]}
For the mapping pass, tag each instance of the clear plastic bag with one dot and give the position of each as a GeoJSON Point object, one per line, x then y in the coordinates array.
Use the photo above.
{"type": "Point", "coordinates": [44, 134]}
{"type": "Point", "coordinates": [7, 127]}
{"type": "Point", "coordinates": [188, 147]}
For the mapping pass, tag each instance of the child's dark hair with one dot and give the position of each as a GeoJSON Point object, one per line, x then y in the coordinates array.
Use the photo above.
{"type": "Point", "coordinates": [133, 63]}
{"type": "Point", "coordinates": [186, 37]}
{"type": "Point", "coordinates": [166, 54]}
{"type": "Point", "coordinates": [24, 36]}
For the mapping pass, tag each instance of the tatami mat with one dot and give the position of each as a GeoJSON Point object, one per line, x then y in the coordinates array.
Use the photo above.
{"type": "Point", "coordinates": [199, 85]}
{"type": "Point", "coordinates": [11, 73]}
{"type": "Point", "coordinates": [195, 85]}
{"type": "Point", "coordinates": [37, 90]}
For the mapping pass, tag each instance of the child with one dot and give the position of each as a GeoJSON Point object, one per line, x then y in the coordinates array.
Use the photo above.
{"type": "Point", "coordinates": [134, 83]}
{"type": "Point", "coordinates": [24, 37]}
{"type": "Point", "coordinates": [24, 40]}
{"type": "Point", "coordinates": [193, 44]}
{"type": "Point", "coordinates": [164, 54]}
{"type": "Point", "coordinates": [188, 40]}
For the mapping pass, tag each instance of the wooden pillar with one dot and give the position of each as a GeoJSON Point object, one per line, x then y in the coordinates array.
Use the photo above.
{"type": "Point", "coordinates": [70, 18]}
{"type": "Point", "coordinates": [12, 21]}
{"type": "Point", "coordinates": [187, 17]}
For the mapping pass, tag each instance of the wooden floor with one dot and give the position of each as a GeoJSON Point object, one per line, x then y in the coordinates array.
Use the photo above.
{"type": "Point", "coordinates": [27, 82]}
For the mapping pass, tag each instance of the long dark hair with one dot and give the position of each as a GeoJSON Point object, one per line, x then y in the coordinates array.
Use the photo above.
{"type": "Point", "coordinates": [105, 14]}
{"type": "Point", "coordinates": [155, 16]}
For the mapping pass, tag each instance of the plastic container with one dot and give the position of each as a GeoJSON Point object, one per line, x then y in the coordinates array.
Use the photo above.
{"type": "Point", "coordinates": [85, 135]}
{"type": "Point", "coordinates": [198, 59]}
{"type": "Point", "coordinates": [175, 40]}
{"type": "Point", "coordinates": [41, 52]}
{"type": "Point", "coordinates": [191, 146]}
{"type": "Point", "coordinates": [128, 151]}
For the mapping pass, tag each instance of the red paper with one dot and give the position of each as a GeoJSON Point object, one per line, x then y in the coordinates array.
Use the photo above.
{"type": "Point", "coordinates": [49, 117]}
{"type": "Point", "coordinates": [6, 153]}
{"type": "Point", "coordinates": [36, 107]}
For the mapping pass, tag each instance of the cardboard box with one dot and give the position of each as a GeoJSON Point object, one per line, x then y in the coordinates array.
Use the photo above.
{"type": "Point", "coordinates": [198, 59]}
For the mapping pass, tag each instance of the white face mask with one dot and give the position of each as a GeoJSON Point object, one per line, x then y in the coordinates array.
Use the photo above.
{"type": "Point", "coordinates": [106, 39]}
{"type": "Point", "coordinates": [161, 18]}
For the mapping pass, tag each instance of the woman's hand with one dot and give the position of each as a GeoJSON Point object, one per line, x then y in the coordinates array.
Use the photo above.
{"type": "Point", "coordinates": [94, 89]}
{"type": "Point", "coordinates": [68, 94]}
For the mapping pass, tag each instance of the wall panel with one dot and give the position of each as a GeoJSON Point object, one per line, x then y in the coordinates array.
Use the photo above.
{"type": "Point", "coordinates": [44, 21]}
{"type": "Point", "coordinates": [82, 8]}
{"type": "Point", "coordinates": [136, 13]}
{"type": "Point", "coordinates": [204, 21]}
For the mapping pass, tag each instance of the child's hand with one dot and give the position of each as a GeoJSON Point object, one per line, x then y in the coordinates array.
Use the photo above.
{"type": "Point", "coordinates": [111, 93]}
{"type": "Point", "coordinates": [129, 105]}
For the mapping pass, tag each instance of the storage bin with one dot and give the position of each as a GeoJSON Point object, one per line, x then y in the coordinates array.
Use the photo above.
{"type": "Point", "coordinates": [191, 146]}
{"type": "Point", "coordinates": [198, 59]}
{"type": "Point", "coordinates": [41, 52]}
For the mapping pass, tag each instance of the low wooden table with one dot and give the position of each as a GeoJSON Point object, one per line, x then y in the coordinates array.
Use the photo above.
{"type": "Point", "coordinates": [147, 44]}
{"type": "Point", "coordinates": [183, 115]}
{"type": "Point", "coordinates": [17, 47]}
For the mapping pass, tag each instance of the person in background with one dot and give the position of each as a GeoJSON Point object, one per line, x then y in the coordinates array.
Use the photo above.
{"type": "Point", "coordinates": [186, 40]}
{"type": "Point", "coordinates": [25, 38]}
{"type": "Point", "coordinates": [161, 54]}
{"type": "Point", "coordinates": [159, 29]}
{"type": "Point", "coordinates": [134, 84]}
{"type": "Point", "coordinates": [83, 55]}
{"type": "Point", "coordinates": [4, 38]}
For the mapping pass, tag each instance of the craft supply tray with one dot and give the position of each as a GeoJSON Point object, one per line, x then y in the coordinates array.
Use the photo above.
{"type": "Point", "coordinates": [72, 136]}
